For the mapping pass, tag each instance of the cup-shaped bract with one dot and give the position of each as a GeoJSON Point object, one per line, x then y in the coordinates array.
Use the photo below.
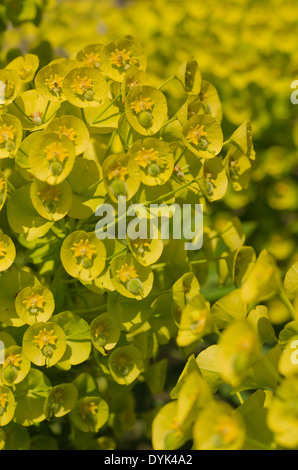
{"type": "Point", "coordinates": [35, 304]}
{"type": "Point", "coordinates": [84, 87]}
{"type": "Point", "coordinates": [83, 255]}
{"type": "Point", "coordinates": [210, 100]}
{"type": "Point", "coordinates": [26, 66]}
{"type": "Point", "coordinates": [146, 109]}
{"type": "Point", "coordinates": [61, 400]}
{"type": "Point", "coordinates": [11, 134]}
{"type": "Point", "coordinates": [238, 168]}
{"type": "Point", "coordinates": [121, 176]}
{"type": "Point", "coordinates": [196, 321]}
{"type": "Point", "coordinates": [238, 349]}
{"type": "Point", "coordinates": [52, 202]}
{"type": "Point", "coordinates": [203, 135]}
{"type": "Point", "coordinates": [51, 158]}
{"type": "Point", "coordinates": [190, 77]}
{"type": "Point", "coordinates": [125, 364]}
{"type": "Point", "coordinates": [16, 366]}
{"type": "Point", "coordinates": [3, 189]}
{"type": "Point", "coordinates": [7, 252]}
{"type": "Point", "coordinates": [90, 55]}
{"type": "Point", "coordinates": [10, 85]}
{"type": "Point", "coordinates": [33, 110]}
{"type": "Point", "coordinates": [167, 432]}
{"type": "Point", "coordinates": [7, 405]}
{"type": "Point", "coordinates": [105, 332]}
{"type": "Point", "coordinates": [130, 278]}
{"type": "Point", "coordinates": [44, 343]}
{"type": "Point", "coordinates": [213, 180]}
{"type": "Point", "coordinates": [49, 80]}
{"type": "Point", "coordinates": [118, 56]}
{"type": "Point", "coordinates": [73, 128]}
{"type": "Point", "coordinates": [155, 160]}
{"type": "Point", "coordinates": [146, 251]}
{"type": "Point", "coordinates": [90, 413]}
{"type": "Point", "coordinates": [219, 427]}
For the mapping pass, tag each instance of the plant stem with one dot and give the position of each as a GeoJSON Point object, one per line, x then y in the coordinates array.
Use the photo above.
{"type": "Point", "coordinates": [173, 77]}
{"type": "Point", "coordinates": [287, 303]}
{"type": "Point", "coordinates": [106, 109]}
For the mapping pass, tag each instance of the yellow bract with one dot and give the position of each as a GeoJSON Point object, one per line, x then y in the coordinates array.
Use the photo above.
{"type": "Point", "coordinates": [2, 249]}
{"type": "Point", "coordinates": [142, 104]}
{"type": "Point", "coordinates": [45, 337]}
{"type": "Point", "coordinates": [83, 248]}
{"type": "Point", "coordinates": [2, 184]}
{"type": "Point", "coordinates": [125, 273]}
{"type": "Point", "coordinates": [81, 85]}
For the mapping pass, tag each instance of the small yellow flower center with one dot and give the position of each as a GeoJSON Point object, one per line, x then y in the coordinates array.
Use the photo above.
{"type": "Point", "coordinates": [125, 273]}
{"type": "Point", "coordinates": [83, 248]}
{"type": "Point", "coordinates": [146, 157]}
{"type": "Point", "coordinates": [2, 249]}
{"type": "Point", "coordinates": [228, 429]}
{"type": "Point", "coordinates": [120, 58]}
{"type": "Point", "coordinates": [245, 343]}
{"type": "Point", "coordinates": [8, 88]}
{"type": "Point", "coordinates": [81, 85]}
{"type": "Point", "coordinates": [91, 59]}
{"type": "Point", "coordinates": [68, 132]}
{"type": "Point", "coordinates": [34, 301]}
{"type": "Point", "coordinates": [13, 359]}
{"type": "Point", "coordinates": [25, 72]}
{"type": "Point", "coordinates": [45, 337]}
{"type": "Point", "coordinates": [198, 320]}
{"type": "Point", "coordinates": [117, 171]}
{"type": "Point", "coordinates": [56, 152]}
{"type": "Point", "coordinates": [6, 133]}
{"type": "Point", "coordinates": [49, 193]}
{"type": "Point", "coordinates": [88, 407]}
{"type": "Point", "coordinates": [54, 83]}
{"type": "Point", "coordinates": [3, 399]}
{"type": "Point", "coordinates": [195, 133]}
{"type": "Point", "coordinates": [142, 104]}
{"type": "Point", "coordinates": [36, 117]}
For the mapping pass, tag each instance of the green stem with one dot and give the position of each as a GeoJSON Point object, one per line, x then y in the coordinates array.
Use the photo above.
{"type": "Point", "coordinates": [106, 109]}
{"type": "Point", "coordinates": [22, 112]}
{"type": "Point", "coordinates": [111, 142]}
{"type": "Point", "coordinates": [101, 308]}
{"type": "Point", "coordinates": [288, 304]}
{"type": "Point", "coordinates": [173, 77]}
{"type": "Point", "coordinates": [181, 155]}
{"type": "Point", "coordinates": [45, 112]}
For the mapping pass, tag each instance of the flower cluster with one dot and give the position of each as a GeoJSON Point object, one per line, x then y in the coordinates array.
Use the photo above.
{"type": "Point", "coordinates": [97, 313]}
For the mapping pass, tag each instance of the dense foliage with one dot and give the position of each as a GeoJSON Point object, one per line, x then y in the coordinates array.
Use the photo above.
{"type": "Point", "coordinates": [135, 343]}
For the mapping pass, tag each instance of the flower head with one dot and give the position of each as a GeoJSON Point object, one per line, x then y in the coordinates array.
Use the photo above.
{"type": "Point", "coordinates": [45, 337]}
{"type": "Point", "coordinates": [195, 134]}
{"type": "Point", "coordinates": [3, 399]}
{"type": "Point", "coordinates": [13, 359]}
{"type": "Point", "coordinates": [86, 408]}
{"type": "Point", "coordinates": [146, 157]}
{"type": "Point", "coordinates": [117, 171]}
{"type": "Point", "coordinates": [54, 83]}
{"type": "Point", "coordinates": [49, 193]}
{"type": "Point", "coordinates": [56, 152]}
{"type": "Point", "coordinates": [68, 132]}
{"type": "Point", "coordinates": [6, 133]}
{"type": "Point", "coordinates": [81, 85]}
{"type": "Point", "coordinates": [34, 301]}
{"type": "Point", "coordinates": [142, 104]}
{"type": "Point", "coordinates": [120, 58]}
{"type": "Point", "coordinates": [227, 429]}
{"type": "Point", "coordinates": [91, 59]}
{"type": "Point", "coordinates": [83, 248]}
{"type": "Point", "coordinates": [125, 273]}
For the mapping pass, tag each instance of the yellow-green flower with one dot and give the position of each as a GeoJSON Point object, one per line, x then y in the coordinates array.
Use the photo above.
{"type": "Point", "coordinates": [44, 338]}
